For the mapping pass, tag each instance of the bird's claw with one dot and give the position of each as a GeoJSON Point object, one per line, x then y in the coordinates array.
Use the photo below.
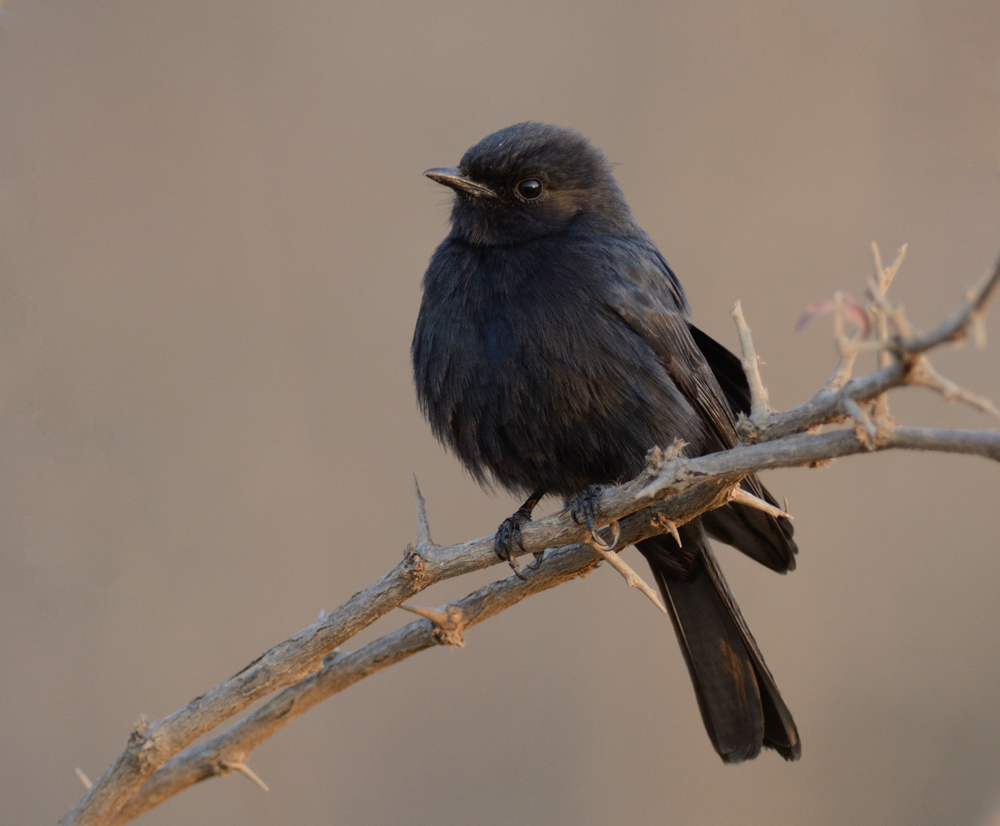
{"type": "Point", "coordinates": [508, 536]}
{"type": "Point", "coordinates": [585, 508]}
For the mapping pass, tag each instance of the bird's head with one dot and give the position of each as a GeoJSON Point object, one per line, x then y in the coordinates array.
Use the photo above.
{"type": "Point", "coordinates": [529, 181]}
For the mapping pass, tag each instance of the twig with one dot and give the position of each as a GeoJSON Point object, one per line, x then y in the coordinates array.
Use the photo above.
{"type": "Point", "coordinates": [842, 372]}
{"type": "Point", "coordinates": [759, 408]}
{"type": "Point", "coordinates": [423, 526]}
{"type": "Point", "coordinates": [882, 313]}
{"type": "Point", "coordinates": [924, 375]}
{"type": "Point", "coordinates": [955, 326]}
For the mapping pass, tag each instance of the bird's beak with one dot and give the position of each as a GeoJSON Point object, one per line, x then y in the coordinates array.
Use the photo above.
{"type": "Point", "coordinates": [449, 176]}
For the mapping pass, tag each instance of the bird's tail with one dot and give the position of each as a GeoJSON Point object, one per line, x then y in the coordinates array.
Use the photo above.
{"type": "Point", "coordinates": [739, 701]}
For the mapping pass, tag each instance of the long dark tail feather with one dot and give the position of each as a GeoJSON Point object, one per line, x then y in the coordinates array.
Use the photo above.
{"type": "Point", "coordinates": [739, 701]}
{"type": "Point", "coordinates": [757, 534]}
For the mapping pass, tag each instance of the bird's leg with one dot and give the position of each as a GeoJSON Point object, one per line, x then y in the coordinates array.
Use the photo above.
{"type": "Point", "coordinates": [585, 508]}
{"type": "Point", "coordinates": [509, 533]}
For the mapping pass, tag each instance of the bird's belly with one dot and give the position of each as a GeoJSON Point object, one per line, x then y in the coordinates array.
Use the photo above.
{"type": "Point", "coordinates": [562, 412]}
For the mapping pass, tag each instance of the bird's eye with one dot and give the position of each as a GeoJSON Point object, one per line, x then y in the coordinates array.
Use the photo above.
{"type": "Point", "coordinates": [529, 189]}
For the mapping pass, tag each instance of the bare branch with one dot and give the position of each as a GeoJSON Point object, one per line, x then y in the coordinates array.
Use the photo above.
{"type": "Point", "coordinates": [694, 485]}
{"type": "Point", "coordinates": [671, 491]}
{"type": "Point", "coordinates": [202, 762]}
{"type": "Point", "coordinates": [342, 670]}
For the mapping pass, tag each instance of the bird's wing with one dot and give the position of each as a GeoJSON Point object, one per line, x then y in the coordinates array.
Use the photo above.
{"type": "Point", "coordinates": [666, 331]}
{"type": "Point", "coordinates": [728, 370]}
{"type": "Point", "coordinates": [748, 529]}
{"type": "Point", "coordinates": [695, 365]}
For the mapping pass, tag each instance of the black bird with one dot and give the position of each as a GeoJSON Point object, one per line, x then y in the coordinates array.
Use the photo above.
{"type": "Point", "coordinates": [553, 349]}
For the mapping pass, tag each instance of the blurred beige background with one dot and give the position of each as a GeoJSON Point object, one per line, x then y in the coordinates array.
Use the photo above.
{"type": "Point", "coordinates": [212, 230]}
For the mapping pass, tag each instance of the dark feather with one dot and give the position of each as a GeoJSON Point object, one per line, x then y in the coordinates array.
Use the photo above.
{"type": "Point", "coordinates": [739, 701]}
{"type": "Point", "coordinates": [758, 535]}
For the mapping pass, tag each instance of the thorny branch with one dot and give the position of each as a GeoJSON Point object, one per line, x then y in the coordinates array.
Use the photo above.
{"type": "Point", "coordinates": [160, 760]}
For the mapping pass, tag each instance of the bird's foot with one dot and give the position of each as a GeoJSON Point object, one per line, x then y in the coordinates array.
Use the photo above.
{"type": "Point", "coordinates": [508, 536]}
{"type": "Point", "coordinates": [586, 509]}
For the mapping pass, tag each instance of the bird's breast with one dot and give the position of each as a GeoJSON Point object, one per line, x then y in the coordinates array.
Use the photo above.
{"type": "Point", "coordinates": [526, 374]}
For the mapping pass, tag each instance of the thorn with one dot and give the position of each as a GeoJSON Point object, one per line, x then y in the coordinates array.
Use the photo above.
{"type": "Point", "coordinates": [439, 618]}
{"type": "Point", "coordinates": [83, 778]}
{"type": "Point", "coordinates": [980, 291]}
{"type": "Point", "coordinates": [744, 497]}
{"type": "Point", "coordinates": [838, 322]}
{"type": "Point", "coordinates": [978, 328]}
{"type": "Point", "coordinates": [894, 267]}
{"type": "Point", "coordinates": [879, 272]}
{"type": "Point", "coordinates": [671, 527]}
{"type": "Point", "coordinates": [448, 623]}
{"type": "Point", "coordinates": [423, 526]}
{"type": "Point", "coordinates": [246, 771]}
{"type": "Point", "coordinates": [786, 505]}
{"type": "Point", "coordinates": [631, 577]}
{"type": "Point", "coordinates": [322, 613]}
